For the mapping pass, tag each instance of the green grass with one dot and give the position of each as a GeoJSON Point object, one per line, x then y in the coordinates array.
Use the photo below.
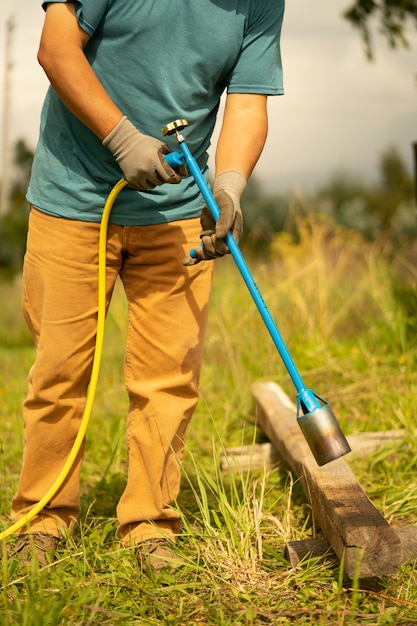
{"type": "Point", "coordinates": [349, 318]}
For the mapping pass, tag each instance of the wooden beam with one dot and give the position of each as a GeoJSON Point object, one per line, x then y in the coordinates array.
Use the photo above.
{"type": "Point", "coordinates": [304, 549]}
{"type": "Point", "coordinates": [357, 532]}
{"type": "Point", "coordinates": [250, 457]}
{"type": "Point", "coordinates": [297, 551]}
{"type": "Point", "coordinates": [264, 456]}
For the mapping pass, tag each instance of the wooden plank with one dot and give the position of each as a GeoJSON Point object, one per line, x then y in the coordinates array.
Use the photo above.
{"type": "Point", "coordinates": [250, 457]}
{"type": "Point", "coordinates": [264, 456]}
{"type": "Point", "coordinates": [297, 551]}
{"type": "Point", "coordinates": [355, 529]}
{"type": "Point", "coordinates": [363, 444]}
{"type": "Point", "coordinates": [408, 538]}
{"type": "Point", "coordinates": [304, 549]}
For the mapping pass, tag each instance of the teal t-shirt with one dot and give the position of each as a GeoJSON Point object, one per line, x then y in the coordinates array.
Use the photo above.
{"type": "Point", "coordinates": [159, 61]}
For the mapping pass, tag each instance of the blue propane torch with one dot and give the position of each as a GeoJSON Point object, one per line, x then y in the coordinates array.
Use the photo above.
{"type": "Point", "coordinates": [314, 415]}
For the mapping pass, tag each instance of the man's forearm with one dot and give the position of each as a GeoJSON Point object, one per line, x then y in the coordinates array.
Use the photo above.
{"type": "Point", "coordinates": [243, 133]}
{"type": "Point", "coordinates": [82, 93]}
{"type": "Point", "coordinates": [62, 57]}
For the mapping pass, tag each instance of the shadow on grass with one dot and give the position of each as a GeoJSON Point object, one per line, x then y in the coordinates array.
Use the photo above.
{"type": "Point", "coordinates": [102, 498]}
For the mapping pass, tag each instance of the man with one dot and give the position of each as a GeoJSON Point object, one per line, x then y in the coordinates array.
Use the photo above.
{"type": "Point", "coordinates": [119, 71]}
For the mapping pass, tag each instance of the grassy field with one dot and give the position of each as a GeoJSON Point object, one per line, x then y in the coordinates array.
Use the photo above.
{"type": "Point", "coordinates": [349, 317]}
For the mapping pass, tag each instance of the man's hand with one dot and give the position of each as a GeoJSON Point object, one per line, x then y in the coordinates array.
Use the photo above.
{"type": "Point", "coordinates": [227, 190]}
{"type": "Point", "coordinates": [140, 157]}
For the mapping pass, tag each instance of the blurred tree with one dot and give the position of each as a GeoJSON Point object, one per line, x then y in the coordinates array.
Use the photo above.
{"type": "Point", "coordinates": [382, 210]}
{"type": "Point", "coordinates": [392, 15]}
{"type": "Point", "coordinates": [13, 225]}
{"type": "Point", "coordinates": [396, 186]}
{"type": "Point", "coordinates": [392, 201]}
{"type": "Point", "coordinates": [264, 214]}
{"type": "Point", "coordinates": [346, 199]}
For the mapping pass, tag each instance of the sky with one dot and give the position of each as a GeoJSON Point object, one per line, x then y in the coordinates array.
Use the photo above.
{"type": "Point", "coordinates": [340, 112]}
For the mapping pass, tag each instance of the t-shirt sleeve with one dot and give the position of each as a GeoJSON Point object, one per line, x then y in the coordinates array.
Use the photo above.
{"type": "Point", "coordinates": [258, 68]}
{"type": "Point", "coordinates": [89, 14]}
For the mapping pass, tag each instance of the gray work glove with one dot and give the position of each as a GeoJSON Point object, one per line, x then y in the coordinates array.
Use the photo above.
{"type": "Point", "coordinates": [140, 157]}
{"type": "Point", "coordinates": [227, 189]}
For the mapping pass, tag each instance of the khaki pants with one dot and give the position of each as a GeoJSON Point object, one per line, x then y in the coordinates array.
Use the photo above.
{"type": "Point", "coordinates": [167, 313]}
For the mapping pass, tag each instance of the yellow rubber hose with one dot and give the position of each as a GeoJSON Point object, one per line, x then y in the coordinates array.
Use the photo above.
{"type": "Point", "coordinates": [101, 318]}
